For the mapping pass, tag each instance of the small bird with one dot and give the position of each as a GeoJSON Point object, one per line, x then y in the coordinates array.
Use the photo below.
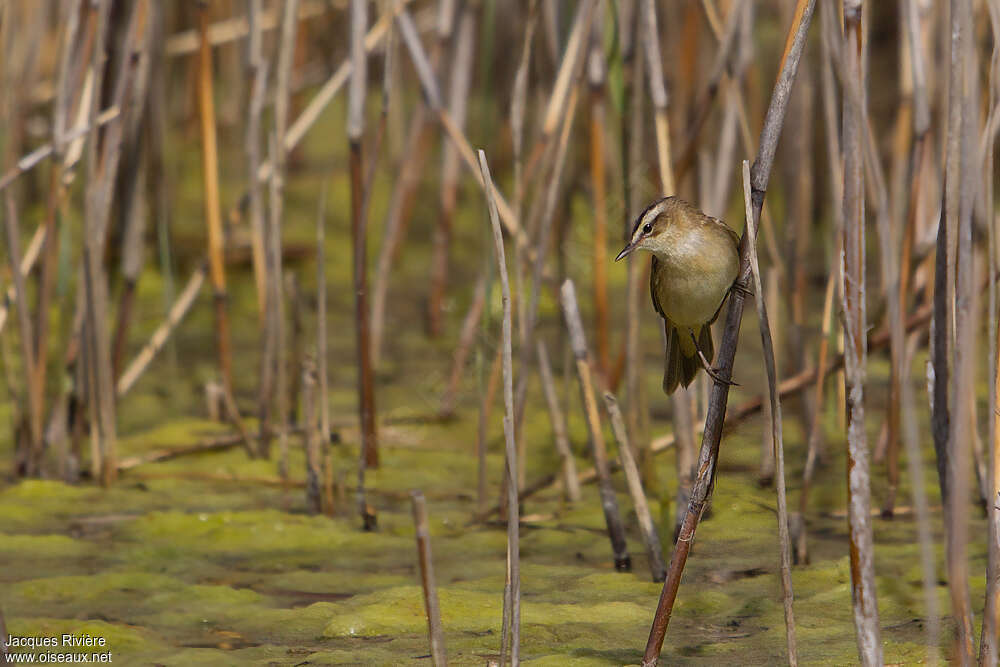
{"type": "Point", "coordinates": [695, 265]}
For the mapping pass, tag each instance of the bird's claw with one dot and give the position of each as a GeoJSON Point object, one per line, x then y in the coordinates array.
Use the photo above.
{"type": "Point", "coordinates": [742, 289]}
{"type": "Point", "coordinates": [712, 373]}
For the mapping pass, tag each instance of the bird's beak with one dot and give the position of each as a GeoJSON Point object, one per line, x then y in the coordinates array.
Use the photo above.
{"type": "Point", "coordinates": [625, 251]}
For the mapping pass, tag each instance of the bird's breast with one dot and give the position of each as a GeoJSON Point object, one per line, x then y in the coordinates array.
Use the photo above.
{"type": "Point", "coordinates": [693, 277]}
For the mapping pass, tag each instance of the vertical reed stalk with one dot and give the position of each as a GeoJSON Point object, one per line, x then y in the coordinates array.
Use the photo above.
{"type": "Point", "coordinates": [257, 73]}
{"type": "Point", "coordinates": [961, 123]}
{"type": "Point", "coordinates": [312, 442]}
{"type": "Point", "coordinates": [512, 610]}
{"type": "Point", "coordinates": [596, 74]}
{"type": "Point", "coordinates": [213, 212]}
{"type": "Point", "coordinates": [853, 293]}
{"type": "Point", "coordinates": [991, 614]}
{"type": "Point", "coordinates": [321, 342]}
{"type": "Point", "coordinates": [355, 131]}
{"type": "Point", "coordinates": [774, 407]}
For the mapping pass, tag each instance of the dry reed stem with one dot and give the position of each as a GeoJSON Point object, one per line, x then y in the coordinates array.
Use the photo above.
{"type": "Point", "coordinates": [649, 533]}
{"type": "Point", "coordinates": [212, 206]}
{"type": "Point", "coordinates": [991, 614]}
{"type": "Point", "coordinates": [435, 630]}
{"type": "Point", "coordinates": [558, 420]}
{"type": "Point", "coordinates": [774, 407]}
{"type": "Point", "coordinates": [159, 338]}
{"type": "Point", "coordinates": [355, 130]}
{"type": "Point", "coordinates": [312, 444]}
{"type": "Point", "coordinates": [853, 295]}
{"type": "Point", "coordinates": [596, 77]}
{"type": "Point", "coordinates": [712, 433]}
{"type": "Point", "coordinates": [609, 503]}
{"type": "Point", "coordinates": [258, 227]}
{"type": "Point", "coordinates": [512, 615]}
{"type": "Point", "coordinates": [321, 342]}
{"type": "Point", "coordinates": [958, 206]}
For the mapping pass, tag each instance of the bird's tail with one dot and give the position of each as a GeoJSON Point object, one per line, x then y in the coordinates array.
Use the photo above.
{"type": "Point", "coordinates": [681, 361]}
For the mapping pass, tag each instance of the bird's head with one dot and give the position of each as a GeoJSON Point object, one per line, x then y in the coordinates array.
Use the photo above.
{"type": "Point", "coordinates": [650, 227]}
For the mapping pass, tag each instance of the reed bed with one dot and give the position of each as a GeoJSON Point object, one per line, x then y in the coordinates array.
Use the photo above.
{"type": "Point", "coordinates": [871, 193]}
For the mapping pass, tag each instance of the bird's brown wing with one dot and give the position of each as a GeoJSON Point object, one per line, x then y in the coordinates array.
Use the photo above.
{"type": "Point", "coordinates": [729, 230]}
{"type": "Point", "coordinates": [736, 244]}
{"type": "Point", "coordinates": [653, 271]}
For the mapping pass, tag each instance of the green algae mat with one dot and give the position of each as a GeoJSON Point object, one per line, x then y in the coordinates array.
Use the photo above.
{"type": "Point", "coordinates": [169, 567]}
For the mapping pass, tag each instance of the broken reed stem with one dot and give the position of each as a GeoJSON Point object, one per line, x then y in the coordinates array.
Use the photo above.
{"type": "Point", "coordinates": [774, 406]}
{"type": "Point", "coordinates": [558, 420]}
{"type": "Point", "coordinates": [649, 532]}
{"type": "Point", "coordinates": [355, 130]}
{"type": "Point", "coordinates": [210, 180]}
{"type": "Point", "coordinates": [609, 503]}
{"type": "Point", "coordinates": [512, 611]}
{"type": "Point", "coordinates": [312, 444]}
{"type": "Point", "coordinates": [423, 533]}
{"type": "Point", "coordinates": [863, 592]}
{"type": "Point", "coordinates": [159, 338]}
{"type": "Point", "coordinates": [712, 434]}
{"type": "Point", "coordinates": [321, 343]}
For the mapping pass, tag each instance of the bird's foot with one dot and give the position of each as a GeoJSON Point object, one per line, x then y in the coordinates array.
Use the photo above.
{"type": "Point", "coordinates": [712, 373]}
{"type": "Point", "coordinates": [742, 288]}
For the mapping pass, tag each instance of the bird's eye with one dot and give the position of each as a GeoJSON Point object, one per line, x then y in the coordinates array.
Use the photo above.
{"type": "Point", "coordinates": [647, 228]}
